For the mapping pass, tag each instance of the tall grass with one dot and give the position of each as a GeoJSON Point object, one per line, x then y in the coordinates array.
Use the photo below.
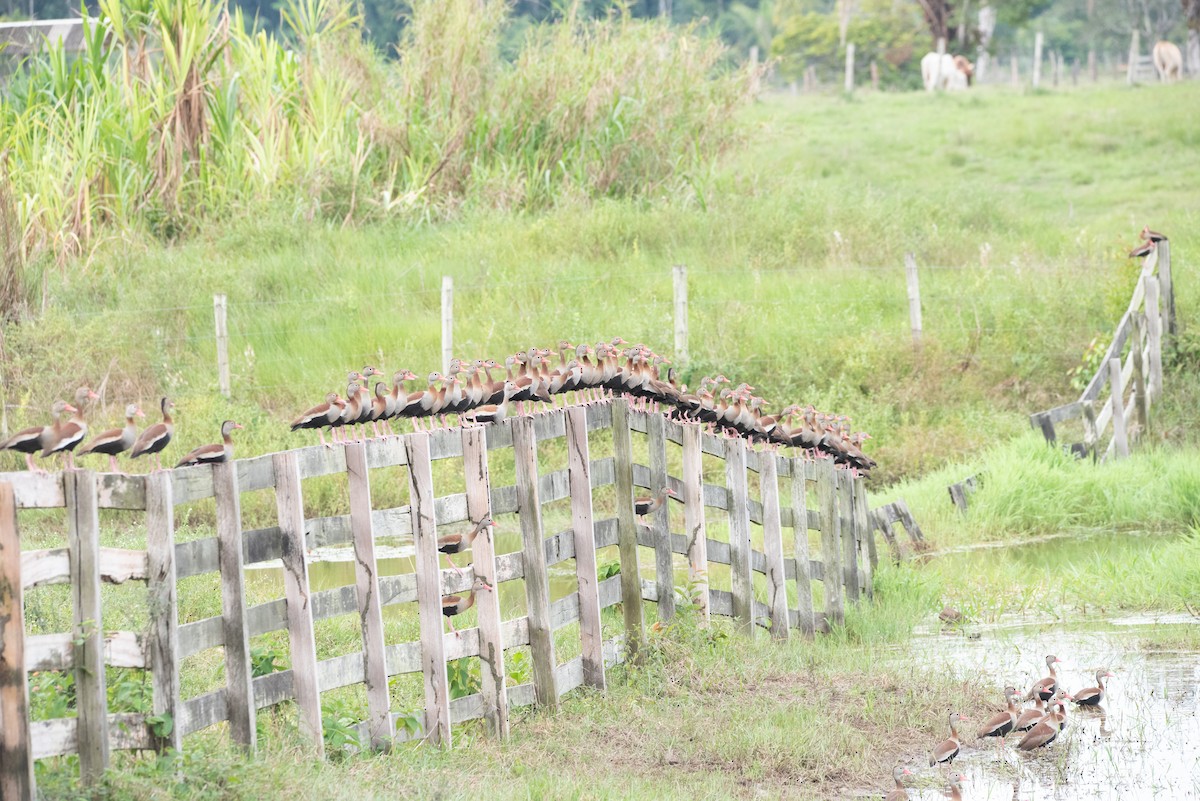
{"type": "Point", "coordinates": [177, 111]}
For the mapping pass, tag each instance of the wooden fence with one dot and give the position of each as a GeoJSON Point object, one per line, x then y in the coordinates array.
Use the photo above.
{"type": "Point", "coordinates": [792, 493]}
{"type": "Point", "coordinates": [1131, 371]}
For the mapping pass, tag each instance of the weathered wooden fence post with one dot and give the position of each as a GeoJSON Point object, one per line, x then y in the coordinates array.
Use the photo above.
{"type": "Point", "coordinates": [1038, 40]}
{"type": "Point", "coordinates": [1154, 324]}
{"type": "Point", "coordinates": [1091, 434]}
{"type": "Point", "coordinates": [1134, 53]}
{"type": "Point", "coordinates": [493, 681]}
{"type": "Point", "coordinates": [584, 531]}
{"type": "Point", "coordinates": [83, 553]}
{"type": "Point", "coordinates": [660, 529]}
{"type": "Point", "coordinates": [849, 84]}
{"type": "Point", "coordinates": [447, 321]}
{"type": "Point", "coordinates": [537, 581]}
{"type": "Point", "coordinates": [831, 578]}
{"type": "Point", "coordinates": [370, 607]}
{"type": "Point", "coordinates": [302, 643]}
{"type": "Point", "coordinates": [800, 549]}
{"type": "Point", "coordinates": [679, 279]}
{"type": "Point", "coordinates": [239, 687]}
{"type": "Point", "coordinates": [429, 589]}
{"type": "Point", "coordinates": [222, 337]}
{"type": "Point", "coordinates": [631, 581]}
{"type": "Point", "coordinates": [1167, 286]}
{"type": "Point", "coordinates": [740, 560]}
{"type": "Point", "coordinates": [1016, 71]}
{"type": "Point", "coordinates": [914, 297]}
{"type": "Point", "coordinates": [161, 590]}
{"type": "Point", "coordinates": [777, 606]}
{"type": "Point", "coordinates": [1120, 441]}
{"type": "Point", "coordinates": [693, 516]}
{"type": "Point", "coordinates": [848, 541]}
{"type": "Point", "coordinates": [16, 748]}
{"type": "Point", "coordinates": [864, 535]}
{"type": "Point", "coordinates": [1140, 401]}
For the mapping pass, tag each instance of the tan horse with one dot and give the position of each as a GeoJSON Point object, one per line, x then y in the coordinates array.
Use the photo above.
{"type": "Point", "coordinates": [1168, 61]}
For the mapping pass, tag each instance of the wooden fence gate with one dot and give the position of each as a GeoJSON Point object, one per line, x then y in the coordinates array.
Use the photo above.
{"type": "Point", "coordinates": [771, 586]}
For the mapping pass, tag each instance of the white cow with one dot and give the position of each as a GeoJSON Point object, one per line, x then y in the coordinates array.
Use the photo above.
{"type": "Point", "coordinates": [954, 74]}
{"type": "Point", "coordinates": [1168, 61]}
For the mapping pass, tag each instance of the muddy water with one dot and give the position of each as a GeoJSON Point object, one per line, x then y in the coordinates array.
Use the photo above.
{"type": "Point", "coordinates": [1144, 743]}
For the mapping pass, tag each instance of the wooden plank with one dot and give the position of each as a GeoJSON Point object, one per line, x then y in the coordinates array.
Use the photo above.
{"type": "Point", "coordinates": [366, 575]}
{"type": "Point", "coordinates": [693, 517]}
{"type": "Point", "coordinates": [590, 631]}
{"type": "Point", "coordinates": [493, 681]}
{"type": "Point", "coordinates": [800, 549]}
{"type": "Point", "coordinates": [302, 642]}
{"type": "Point", "coordinates": [115, 491]}
{"type": "Point", "coordinates": [914, 297]}
{"type": "Point", "coordinates": [537, 582]}
{"type": "Point", "coordinates": [1115, 348]}
{"type": "Point", "coordinates": [203, 711]}
{"type": "Point", "coordinates": [773, 547]}
{"type": "Point", "coordinates": [827, 492]}
{"type": "Point", "coordinates": [33, 491]}
{"type": "Point", "coordinates": [740, 565]}
{"type": "Point", "coordinates": [848, 541]}
{"type": "Point", "coordinates": [1155, 329]}
{"type": "Point", "coordinates": [631, 588]}
{"type": "Point", "coordinates": [1141, 408]}
{"type": "Point", "coordinates": [1091, 432]}
{"type": "Point", "coordinates": [91, 694]}
{"type": "Point", "coordinates": [239, 690]}
{"type": "Point", "coordinates": [664, 566]}
{"type": "Point", "coordinates": [163, 639]}
{"type": "Point", "coordinates": [57, 651]}
{"type": "Point", "coordinates": [1117, 403]}
{"type": "Point", "coordinates": [1170, 325]}
{"type": "Point", "coordinates": [16, 742]}
{"type": "Point", "coordinates": [44, 567]}
{"type": "Point", "coordinates": [864, 536]}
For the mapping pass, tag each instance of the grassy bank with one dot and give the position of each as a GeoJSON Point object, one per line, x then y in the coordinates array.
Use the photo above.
{"type": "Point", "coordinates": [794, 247]}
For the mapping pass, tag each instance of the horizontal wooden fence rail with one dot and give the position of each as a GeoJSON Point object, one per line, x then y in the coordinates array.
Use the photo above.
{"type": "Point", "coordinates": [1115, 406]}
{"type": "Point", "coordinates": [770, 585]}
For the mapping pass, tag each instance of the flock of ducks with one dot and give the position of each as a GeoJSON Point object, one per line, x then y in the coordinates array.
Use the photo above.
{"type": "Point", "coordinates": [63, 437]}
{"type": "Point", "coordinates": [1039, 724]}
{"type": "Point", "coordinates": [583, 374]}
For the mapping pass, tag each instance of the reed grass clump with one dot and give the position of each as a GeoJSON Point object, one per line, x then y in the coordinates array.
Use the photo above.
{"type": "Point", "coordinates": [178, 112]}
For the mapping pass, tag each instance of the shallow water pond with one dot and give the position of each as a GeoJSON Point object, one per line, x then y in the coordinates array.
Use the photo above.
{"type": "Point", "coordinates": [1144, 742]}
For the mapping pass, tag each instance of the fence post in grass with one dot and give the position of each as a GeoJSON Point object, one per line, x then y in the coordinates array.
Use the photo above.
{"type": "Point", "coordinates": [492, 684]}
{"type": "Point", "coordinates": [631, 582]}
{"type": "Point", "coordinates": [660, 529]}
{"type": "Point", "coordinates": [848, 541]}
{"type": "Point", "coordinates": [1167, 287]}
{"type": "Point", "coordinates": [679, 279]}
{"type": "Point", "coordinates": [874, 76]}
{"type": "Point", "coordinates": [16, 752]}
{"type": "Point", "coordinates": [83, 552]}
{"type": "Point", "coordinates": [1038, 40]}
{"type": "Point", "coordinates": [800, 550]}
{"type": "Point", "coordinates": [533, 550]}
{"type": "Point", "coordinates": [914, 297]}
{"type": "Point", "coordinates": [1134, 49]}
{"type": "Point", "coordinates": [1154, 324]}
{"type": "Point", "coordinates": [370, 609]}
{"type": "Point", "coordinates": [222, 332]}
{"type": "Point", "coordinates": [755, 75]}
{"type": "Point", "coordinates": [831, 577]}
{"type": "Point", "coordinates": [777, 606]}
{"type": "Point", "coordinates": [693, 516]}
{"type": "Point", "coordinates": [429, 588]}
{"type": "Point", "coordinates": [239, 690]}
{"type": "Point", "coordinates": [302, 643]}
{"type": "Point", "coordinates": [1091, 64]}
{"type": "Point", "coordinates": [849, 85]}
{"type": "Point", "coordinates": [1120, 442]}
{"type": "Point", "coordinates": [584, 531]}
{"type": "Point", "coordinates": [1140, 405]}
{"type": "Point", "coordinates": [447, 321]}
{"type": "Point", "coordinates": [864, 534]}
{"type": "Point", "coordinates": [162, 603]}
{"type": "Point", "coordinates": [740, 560]}
{"type": "Point", "coordinates": [1091, 436]}
{"type": "Point", "coordinates": [1016, 72]}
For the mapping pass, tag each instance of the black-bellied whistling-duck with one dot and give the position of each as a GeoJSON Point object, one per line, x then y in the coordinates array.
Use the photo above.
{"type": "Point", "coordinates": [954, 786]}
{"type": "Point", "coordinates": [379, 404]}
{"type": "Point", "coordinates": [1049, 726]}
{"type": "Point", "coordinates": [397, 402]}
{"type": "Point", "coordinates": [456, 604]}
{"type": "Point", "coordinates": [365, 407]}
{"type": "Point", "coordinates": [156, 437]}
{"type": "Point", "coordinates": [1002, 723]}
{"type": "Point", "coordinates": [428, 402]}
{"type": "Point", "coordinates": [1029, 717]}
{"type": "Point", "coordinates": [1152, 236]}
{"type": "Point", "coordinates": [215, 453]}
{"type": "Point", "coordinates": [649, 505]}
{"type": "Point", "coordinates": [1143, 250]}
{"type": "Point", "coordinates": [898, 793]}
{"type": "Point", "coordinates": [493, 412]}
{"type": "Point", "coordinates": [31, 440]}
{"type": "Point", "coordinates": [321, 416]}
{"type": "Point", "coordinates": [457, 543]}
{"type": "Point", "coordinates": [1044, 688]}
{"type": "Point", "coordinates": [1094, 696]}
{"type": "Point", "coordinates": [950, 615]}
{"type": "Point", "coordinates": [72, 432]}
{"type": "Point", "coordinates": [947, 749]}
{"type": "Point", "coordinates": [115, 440]}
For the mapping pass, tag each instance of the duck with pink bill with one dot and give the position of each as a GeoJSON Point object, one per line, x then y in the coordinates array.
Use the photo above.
{"type": "Point", "coordinates": [116, 440]}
